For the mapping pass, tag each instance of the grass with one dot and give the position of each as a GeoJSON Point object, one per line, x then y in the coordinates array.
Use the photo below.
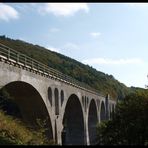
{"type": "Point", "coordinates": [15, 132]}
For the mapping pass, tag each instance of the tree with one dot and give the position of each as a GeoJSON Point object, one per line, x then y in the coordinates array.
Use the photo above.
{"type": "Point", "coordinates": [129, 125]}
{"type": "Point", "coordinates": [146, 86]}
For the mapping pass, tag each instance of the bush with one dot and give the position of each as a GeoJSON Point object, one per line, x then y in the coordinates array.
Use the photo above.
{"type": "Point", "coordinates": [129, 125]}
{"type": "Point", "coordinates": [13, 131]}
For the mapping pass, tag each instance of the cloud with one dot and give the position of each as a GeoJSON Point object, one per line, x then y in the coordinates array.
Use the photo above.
{"type": "Point", "coordinates": [105, 61]}
{"type": "Point", "coordinates": [95, 34]}
{"type": "Point", "coordinates": [71, 46]}
{"type": "Point", "coordinates": [138, 4]}
{"type": "Point", "coordinates": [7, 12]}
{"type": "Point", "coordinates": [63, 9]}
{"type": "Point", "coordinates": [54, 30]}
{"type": "Point", "coordinates": [53, 48]}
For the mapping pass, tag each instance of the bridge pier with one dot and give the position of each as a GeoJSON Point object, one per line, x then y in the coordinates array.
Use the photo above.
{"type": "Point", "coordinates": [87, 142]}
{"type": "Point", "coordinates": [107, 106]}
{"type": "Point", "coordinates": [86, 134]}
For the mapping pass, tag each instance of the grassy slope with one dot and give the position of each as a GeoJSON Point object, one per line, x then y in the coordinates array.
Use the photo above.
{"type": "Point", "coordinates": [14, 132]}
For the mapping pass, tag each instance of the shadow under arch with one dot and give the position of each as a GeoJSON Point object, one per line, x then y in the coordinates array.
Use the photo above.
{"type": "Point", "coordinates": [24, 99]}
{"type": "Point", "coordinates": [73, 122]}
{"type": "Point", "coordinates": [92, 122]}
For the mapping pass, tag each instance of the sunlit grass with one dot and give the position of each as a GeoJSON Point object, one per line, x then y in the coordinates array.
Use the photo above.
{"type": "Point", "coordinates": [13, 131]}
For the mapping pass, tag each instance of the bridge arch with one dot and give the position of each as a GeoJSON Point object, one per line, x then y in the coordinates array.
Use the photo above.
{"type": "Point", "coordinates": [102, 111]}
{"type": "Point", "coordinates": [29, 104]}
{"type": "Point", "coordinates": [92, 122]}
{"type": "Point", "coordinates": [73, 122]}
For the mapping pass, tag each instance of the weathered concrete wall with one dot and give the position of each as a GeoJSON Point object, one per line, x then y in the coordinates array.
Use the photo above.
{"type": "Point", "coordinates": [61, 92]}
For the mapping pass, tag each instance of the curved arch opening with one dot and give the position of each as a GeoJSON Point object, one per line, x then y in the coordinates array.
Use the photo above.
{"type": "Point", "coordinates": [102, 113]}
{"type": "Point", "coordinates": [92, 122]}
{"type": "Point", "coordinates": [23, 101]}
{"type": "Point", "coordinates": [50, 95]}
{"type": "Point", "coordinates": [83, 100]}
{"type": "Point", "coordinates": [62, 97]}
{"type": "Point", "coordinates": [56, 94]}
{"type": "Point", "coordinates": [73, 122]}
{"type": "Point", "coordinates": [85, 103]}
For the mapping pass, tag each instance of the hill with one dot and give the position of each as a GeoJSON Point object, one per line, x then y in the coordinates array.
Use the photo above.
{"type": "Point", "coordinates": [100, 81]}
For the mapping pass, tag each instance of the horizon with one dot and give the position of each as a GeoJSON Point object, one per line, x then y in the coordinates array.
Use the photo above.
{"type": "Point", "coordinates": [111, 38]}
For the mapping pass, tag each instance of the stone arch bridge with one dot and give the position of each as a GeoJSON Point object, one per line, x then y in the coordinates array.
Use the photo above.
{"type": "Point", "coordinates": [72, 108]}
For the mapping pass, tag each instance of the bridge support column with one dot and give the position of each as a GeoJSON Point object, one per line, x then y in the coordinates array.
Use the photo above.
{"type": "Point", "coordinates": [107, 106]}
{"type": "Point", "coordinates": [58, 130]}
{"type": "Point", "coordinates": [86, 135]}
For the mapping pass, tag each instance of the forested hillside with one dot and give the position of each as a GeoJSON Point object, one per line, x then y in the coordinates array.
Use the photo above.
{"type": "Point", "coordinates": [103, 83]}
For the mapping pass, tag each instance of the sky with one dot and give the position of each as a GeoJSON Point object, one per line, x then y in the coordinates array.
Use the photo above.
{"type": "Point", "coordinates": [110, 37]}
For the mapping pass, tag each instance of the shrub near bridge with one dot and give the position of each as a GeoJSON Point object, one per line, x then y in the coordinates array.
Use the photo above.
{"type": "Point", "coordinates": [129, 125]}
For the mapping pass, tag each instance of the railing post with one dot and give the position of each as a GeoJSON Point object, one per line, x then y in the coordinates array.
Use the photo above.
{"type": "Point", "coordinates": [25, 61]}
{"type": "Point", "coordinates": [38, 66]}
{"type": "Point", "coordinates": [17, 57]}
{"type": "Point", "coordinates": [44, 69]}
{"type": "Point", "coordinates": [8, 54]}
{"type": "Point", "coordinates": [32, 64]}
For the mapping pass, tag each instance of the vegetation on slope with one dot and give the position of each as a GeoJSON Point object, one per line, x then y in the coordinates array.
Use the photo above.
{"type": "Point", "coordinates": [15, 132]}
{"type": "Point", "coordinates": [100, 81]}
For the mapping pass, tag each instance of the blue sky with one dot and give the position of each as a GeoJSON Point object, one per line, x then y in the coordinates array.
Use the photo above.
{"type": "Point", "coordinates": [111, 37]}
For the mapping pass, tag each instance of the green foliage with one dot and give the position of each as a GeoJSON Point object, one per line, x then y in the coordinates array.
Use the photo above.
{"type": "Point", "coordinates": [15, 132]}
{"type": "Point", "coordinates": [129, 125]}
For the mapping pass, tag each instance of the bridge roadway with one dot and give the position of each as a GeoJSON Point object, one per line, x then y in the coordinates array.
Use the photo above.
{"type": "Point", "coordinates": [72, 109]}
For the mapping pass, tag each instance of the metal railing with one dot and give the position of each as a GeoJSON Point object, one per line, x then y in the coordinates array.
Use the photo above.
{"type": "Point", "coordinates": [26, 61]}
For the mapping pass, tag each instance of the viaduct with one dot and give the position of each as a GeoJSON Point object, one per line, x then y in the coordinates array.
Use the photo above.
{"type": "Point", "coordinates": [71, 109]}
